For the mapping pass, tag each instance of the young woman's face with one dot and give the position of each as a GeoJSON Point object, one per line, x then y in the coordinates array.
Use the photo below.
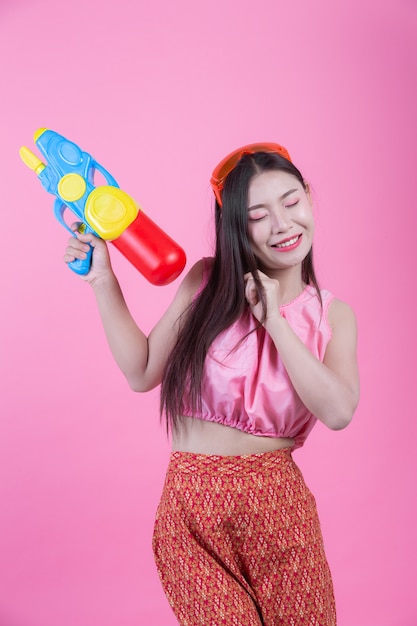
{"type": "Point", "coordinates": [280, 220]}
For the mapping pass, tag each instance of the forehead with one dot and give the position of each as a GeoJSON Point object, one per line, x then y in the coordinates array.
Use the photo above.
{"type": "Point", "coordinates": [274, 182]}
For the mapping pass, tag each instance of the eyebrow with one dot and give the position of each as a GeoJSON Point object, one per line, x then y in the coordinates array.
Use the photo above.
{"type": "Point", "coordinates": [284, 195]}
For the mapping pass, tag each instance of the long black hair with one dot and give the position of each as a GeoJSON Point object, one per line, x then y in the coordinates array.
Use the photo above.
{"type": "Point", "coordinates": [222, 301]}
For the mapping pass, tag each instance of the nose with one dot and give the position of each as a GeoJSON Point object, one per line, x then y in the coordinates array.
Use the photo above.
{"type": "Point", "coordinates": [280, 220]}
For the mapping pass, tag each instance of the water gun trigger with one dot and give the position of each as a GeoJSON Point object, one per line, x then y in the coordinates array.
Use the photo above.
{"type": "Point", "coordinates": [59, 210]}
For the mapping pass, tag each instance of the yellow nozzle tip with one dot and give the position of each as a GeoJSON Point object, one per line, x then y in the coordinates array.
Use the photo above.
{"type": "Point", "coordinates": [31, 160]}
{"type": "Point", "coordinates": [38, 133]}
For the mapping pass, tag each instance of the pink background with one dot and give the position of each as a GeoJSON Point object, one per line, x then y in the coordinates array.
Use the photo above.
{"type": "Point", "coordinates": [159, 92]}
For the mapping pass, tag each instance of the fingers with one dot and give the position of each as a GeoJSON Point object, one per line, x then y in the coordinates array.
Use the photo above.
{"type": "Point", "coordinates": [251, 290]}
{"type": "Point", "coordinates": [83, 237]}
{"type": "Point", "coordinates": [264, 278]}
{"type": "Point", "coordinates": [75, 226]}
{"type": "Point", "coordinates": [76, 249]}
{"type": "Point", "coordinates": [79, 245]}
{"type": "Point", "coordinates": [260, 274]}
{"type": "Point", "coordinates": [269, 287]}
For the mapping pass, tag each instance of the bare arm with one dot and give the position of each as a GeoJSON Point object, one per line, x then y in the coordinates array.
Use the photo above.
{"type": "Point", "coordinates": [141, 359]}
{"type": "Point", "coordinates": [330, 390]}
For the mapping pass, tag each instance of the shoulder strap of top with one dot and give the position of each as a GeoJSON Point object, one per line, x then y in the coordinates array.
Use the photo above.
{"type": "Point", "coordinates": [327, 298]}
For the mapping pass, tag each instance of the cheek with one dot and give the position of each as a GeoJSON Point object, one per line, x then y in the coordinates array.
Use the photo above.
{"type": "Point", "coordinates": [251, 233]}
{"type": "Point", "coordinates": [257, 233]}
{"type": "Point", "coordinates": [306, 216]}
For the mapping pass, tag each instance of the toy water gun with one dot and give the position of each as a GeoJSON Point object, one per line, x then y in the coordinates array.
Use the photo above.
{"type": "Point", "coordinates": [106, 210]}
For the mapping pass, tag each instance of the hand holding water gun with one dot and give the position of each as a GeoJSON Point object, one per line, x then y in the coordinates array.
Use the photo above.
{"type": "Point", "coordinates": [105, 211]}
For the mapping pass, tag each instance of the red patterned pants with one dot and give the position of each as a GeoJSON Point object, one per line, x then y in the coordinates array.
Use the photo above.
{"type": "Point", "coordinates": [237, 542]}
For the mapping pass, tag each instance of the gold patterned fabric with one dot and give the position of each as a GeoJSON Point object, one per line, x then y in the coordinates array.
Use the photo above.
{"type": "Point", "coordinates": [237, 542]}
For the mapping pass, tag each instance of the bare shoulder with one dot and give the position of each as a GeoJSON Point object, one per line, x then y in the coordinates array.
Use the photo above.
{"type": "Point", "coordinates": [165, 331]}
{"type": "Point", "coordinates": [192, 281]}
{"type": "Point", "coordinates": [188, 288]}
{"type": "Point", "coordinates": [340, 353]}
{"type": "Point", "coordinates": [341, 349]}
{"type": "Point", "coordinates": [341, 315]}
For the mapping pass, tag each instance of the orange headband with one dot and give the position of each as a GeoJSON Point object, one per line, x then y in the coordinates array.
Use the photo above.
{"type": "Point", "coordinates": [225, 166]}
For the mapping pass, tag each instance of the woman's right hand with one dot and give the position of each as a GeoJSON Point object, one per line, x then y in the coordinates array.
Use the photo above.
{"type": "Point", "coordinates": [78, 247]}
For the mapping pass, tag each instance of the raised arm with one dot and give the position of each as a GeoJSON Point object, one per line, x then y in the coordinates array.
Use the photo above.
{"type": "Point", "coordinates": [141, 359]}
{"type": "Point", "coordinates": [330, 390]}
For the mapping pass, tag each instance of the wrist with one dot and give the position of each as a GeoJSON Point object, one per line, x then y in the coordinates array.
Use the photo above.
{"type": "Point", "coordinates": [275, 323]}
{"type": "Point", "coordinates": [104, 282]}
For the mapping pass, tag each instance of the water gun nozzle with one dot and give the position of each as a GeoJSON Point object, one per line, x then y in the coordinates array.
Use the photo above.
{"type": "Point", "coordinates": [31, 160]}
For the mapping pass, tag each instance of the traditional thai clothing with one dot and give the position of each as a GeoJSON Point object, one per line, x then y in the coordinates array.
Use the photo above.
{"type": "Point", "coordinates": [237, 541]}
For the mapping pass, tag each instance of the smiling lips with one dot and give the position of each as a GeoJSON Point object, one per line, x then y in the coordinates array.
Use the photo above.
{"type": "Point", "coordinates": [288, 244]}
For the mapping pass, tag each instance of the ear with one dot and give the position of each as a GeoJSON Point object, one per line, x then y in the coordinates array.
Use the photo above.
{"type": "Point", "coordinates": [308, 191]}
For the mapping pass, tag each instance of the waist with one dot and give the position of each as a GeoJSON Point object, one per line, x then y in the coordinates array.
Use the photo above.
{"type": "Point", "coordinates": [202, 437]}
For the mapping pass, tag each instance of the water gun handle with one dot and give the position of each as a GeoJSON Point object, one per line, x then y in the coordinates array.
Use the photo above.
{"type": "Point", "coordinates": [79, 266]}
{"type": "Point", "coordinates": [82, 266]}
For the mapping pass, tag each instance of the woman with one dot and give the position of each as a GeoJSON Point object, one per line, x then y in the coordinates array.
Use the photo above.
{"type": "Point", "coordinates": [250, 354]}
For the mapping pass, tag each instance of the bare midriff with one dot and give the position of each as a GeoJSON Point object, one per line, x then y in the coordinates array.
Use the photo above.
{"type": "Point", "coordinates": [202, 437]}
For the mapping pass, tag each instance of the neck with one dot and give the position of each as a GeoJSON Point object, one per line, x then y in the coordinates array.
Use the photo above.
{"type": "Point", "coordinates": [290, 282]}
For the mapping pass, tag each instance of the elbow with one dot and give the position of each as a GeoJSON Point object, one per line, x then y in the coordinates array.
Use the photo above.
{"type": "Point", "coordinates": [340, 422]}
{"type": "Point", "coordinates": [342, 417]}
{"type": "Point", "coordinates": [138, 386]}
{"type": "Point", "coordinates": [141, 384]}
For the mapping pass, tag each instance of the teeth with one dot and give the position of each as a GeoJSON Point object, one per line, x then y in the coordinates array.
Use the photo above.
{"type": "Point", "coordinates": [290, 242]}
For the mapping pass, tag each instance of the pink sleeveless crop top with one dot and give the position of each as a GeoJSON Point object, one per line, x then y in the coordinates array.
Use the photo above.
{"type": "Point", "coordinates": [248, 388]}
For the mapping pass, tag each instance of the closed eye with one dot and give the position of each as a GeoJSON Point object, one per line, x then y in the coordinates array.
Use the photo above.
{"type": "Point", "coordinates": [257, 219]}
{"type": "Point", "coordinates": [256, 215]}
